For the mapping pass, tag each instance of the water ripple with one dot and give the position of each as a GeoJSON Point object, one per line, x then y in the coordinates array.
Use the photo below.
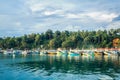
{"type": "Point", "coordinates": [59, 68]}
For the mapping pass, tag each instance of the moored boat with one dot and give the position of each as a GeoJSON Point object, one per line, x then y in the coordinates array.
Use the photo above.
{"type": "Point", "coordinates": [91, 53]}
{"type": "Point", "coordinates": [17, 52]}
{"type": "Point", "coordinates": [43, 53]}
{"type": "Point", "coordinates": [8, 52]}
{"type": "Point", "coordinates": [51, 52]}
{"type": "Point", "coordinates": [73, 54]}
{"type": "Point", "coordinates": [107, 53]}
{"type": "Point", "coordinates": [98, 53]}
{"type": "Point", "coordinates": [62, 53]}
{"type": "Point", "coordinates": [1, 51]}
{"type": "Point", "coordinates": [25, 52]}
{"type": "Point", "coordinates": [35, 52]}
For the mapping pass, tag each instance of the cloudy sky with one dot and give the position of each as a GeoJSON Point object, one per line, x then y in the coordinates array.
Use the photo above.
{"type": "Point", "coordinates": [19, 17]}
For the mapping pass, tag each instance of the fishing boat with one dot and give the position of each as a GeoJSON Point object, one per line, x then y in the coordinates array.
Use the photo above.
{"type": "Point", "coordinates": [51, 52]}
{"type": "Point", "coordinates": [91, 53]}
{"type": "Point", "coordinates": [115, 52]}
{"type": "Point", "coordinates": [25, 52]}
{"type": "Point", "coordinates": [43, 53]}
{"type": "Point", "coordinates": [84, 53]}
{"type": "Point", "coordinates": [98, 53]}
{"type": "Point", "coordinates": [17, 52]}
{"type": "Point", "coordinates": [107, 53]}
{"type": "Point", "coordinates": [118, 52]}
{"type": "Point", "coordinates": [62, 53]}
{"type": "Point", "coordinates": [71, 53]}
{"type": "Point", "coordinates": [1, 51]}
{"type": "Point", "coordinates": [35, 52]}
{"type": "Point", "coordinates": [9, 52]}
{"type": "Point", "coordinates": [88, 53]}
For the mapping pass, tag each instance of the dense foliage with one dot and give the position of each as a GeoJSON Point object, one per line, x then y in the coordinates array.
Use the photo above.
{"type": "Point", "coordinates": [64, 39]}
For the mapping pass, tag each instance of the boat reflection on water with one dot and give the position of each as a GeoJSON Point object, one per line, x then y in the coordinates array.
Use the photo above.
{"type": "Point", "coordinates": [76, 64]}
{"type": "Point", "coordinates": [60, 67]}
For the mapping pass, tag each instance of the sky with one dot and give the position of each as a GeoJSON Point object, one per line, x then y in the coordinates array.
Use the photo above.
{"type": "Point", "coordinates": [19, 17]}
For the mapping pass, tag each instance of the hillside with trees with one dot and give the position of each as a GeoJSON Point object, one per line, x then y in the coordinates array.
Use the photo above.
{"type": "Point", "coordinates": [63, 39]}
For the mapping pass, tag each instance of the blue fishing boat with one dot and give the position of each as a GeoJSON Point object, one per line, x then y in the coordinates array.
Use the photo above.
{"type": "Point", "coordinates": [35, 52]}
{"type": "Point", "coordinates": [73, 54]}
{"type": "Point", "coordinates": [17, 52]}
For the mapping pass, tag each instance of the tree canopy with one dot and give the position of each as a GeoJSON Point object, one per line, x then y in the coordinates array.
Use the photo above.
{"type": "Point", "coordinates": [64, 39]}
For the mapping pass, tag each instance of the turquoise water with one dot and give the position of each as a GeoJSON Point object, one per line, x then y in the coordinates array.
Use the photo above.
{"type": "Point", "coordinates": [59, 68]}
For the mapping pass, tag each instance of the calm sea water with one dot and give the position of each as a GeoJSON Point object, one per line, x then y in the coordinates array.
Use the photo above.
{"type": "Point", "coordinates": [59, 68]}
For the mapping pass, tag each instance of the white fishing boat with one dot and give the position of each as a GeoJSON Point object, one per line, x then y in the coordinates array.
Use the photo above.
{"type": "Point", "coordinates": [24, 52]}
{"type": "Point", "coordinates": [8, 52]}
{"type": "Point", "coordinates": [62, 53]}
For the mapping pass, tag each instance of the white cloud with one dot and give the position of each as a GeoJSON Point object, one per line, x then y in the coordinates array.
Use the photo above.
{"type": "Point", "coordinates": [39, 5]}
{"type": "Point", "coordinates": [101, 16]}
{"type": "Point", "coordinates": [17, 24]}
{"type": "Point", "coordinates": [76, 15]}
{"type": "Point", "coordinates": [70, 15]}
{"type": "Point", "coordinates": [36, 7]}
{"type": "Point", "coordinates": [98, 16]}
{"type": "Point", "coordinates": [40, 15]}
{"type": "Point", "coordinates": [58, 12]}
{"type": "Point", "coordinates": [66, 10]}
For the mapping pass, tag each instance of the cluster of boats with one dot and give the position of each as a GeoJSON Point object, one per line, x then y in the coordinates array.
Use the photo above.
{"type": "Point", "coordinates": [88, 53]}
{"type": "Point", "coordinates": [60, 52]}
